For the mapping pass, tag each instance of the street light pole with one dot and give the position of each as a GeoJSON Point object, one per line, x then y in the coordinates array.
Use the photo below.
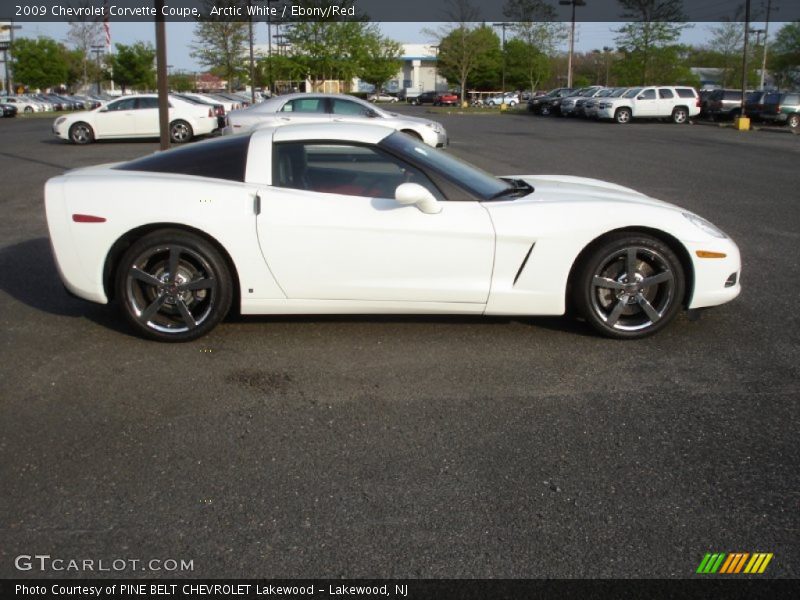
{"type": "Point", "coordinates": [161, 71]}
{"type": "Point", "coordinates": [504, 26]}
{"type": "Point", "coordinates": [98, 51]}
{"type": "Point", "coordinates": [766, 43]}
{"type": "Point", "coordinates": [743, 112]}
{"type": "Point", "coordinates": [574, 3]}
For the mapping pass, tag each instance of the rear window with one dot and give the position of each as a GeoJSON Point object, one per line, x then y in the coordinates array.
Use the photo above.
{"type": "Point", "coordinates": [222, 158]}
{"type": "Point", "coordinates": [686, 92]}
{"type": "Point", "coordinates": [791, 99]}
{"type": "Point", "coordinates": [733, 95]}
{"type": "Point", "coordinates": [773, 98]}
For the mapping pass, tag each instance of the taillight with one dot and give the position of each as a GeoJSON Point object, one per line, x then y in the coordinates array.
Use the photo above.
{"type": "Point", "coordinates": [698, 104]}
{"type": "Point", "coordinates": [211, 112]}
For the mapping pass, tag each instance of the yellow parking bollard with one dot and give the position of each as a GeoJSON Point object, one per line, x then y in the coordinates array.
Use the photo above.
{"type": "Point", "coordinates": [743, 123]}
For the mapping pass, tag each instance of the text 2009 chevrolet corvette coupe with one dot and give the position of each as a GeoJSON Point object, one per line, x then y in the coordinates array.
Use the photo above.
{"type": "Point", "coordinates": [332, 218]}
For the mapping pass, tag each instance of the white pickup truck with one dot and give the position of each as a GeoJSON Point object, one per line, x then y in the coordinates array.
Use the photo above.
{"type": "Point", "coordinates": [675, 102]}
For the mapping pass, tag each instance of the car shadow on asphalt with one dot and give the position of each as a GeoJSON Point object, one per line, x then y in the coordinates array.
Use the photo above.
{"type": "Point", "coordinates": [28, 274]}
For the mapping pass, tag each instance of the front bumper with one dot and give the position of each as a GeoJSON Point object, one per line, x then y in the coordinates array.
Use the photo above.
{"type": "Point", "coordinates": [716, 280]}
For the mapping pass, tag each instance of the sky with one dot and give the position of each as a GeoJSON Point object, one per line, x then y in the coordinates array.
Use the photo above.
{"type": "Point", "coordinates": [180, 36]}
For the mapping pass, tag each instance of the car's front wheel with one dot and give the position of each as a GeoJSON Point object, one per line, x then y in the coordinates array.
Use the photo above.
{"type": "Point", "coordinates": [180, 132]}
{"type": "Point", "coordinates": [623, 115]}
{"type": "Point", "coordinates": [793, 121]}
{"type": "Point", "coordinates": [629, 285]}
{"type": "Point", "coordinates": [81, 133]}
{"type": "Point", "coordinates": [173, 286]}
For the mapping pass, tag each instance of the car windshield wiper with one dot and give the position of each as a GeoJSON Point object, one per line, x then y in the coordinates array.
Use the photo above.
{"type": "Point", "coordinates": [517, 187]}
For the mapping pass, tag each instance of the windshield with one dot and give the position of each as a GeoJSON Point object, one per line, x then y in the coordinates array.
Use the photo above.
{"type": "Point", "coordinates": [632, 92]}
{"type": "Point", "coordinates": [619, 92]}
{"type": "Point", "coordinates": [477, 181]}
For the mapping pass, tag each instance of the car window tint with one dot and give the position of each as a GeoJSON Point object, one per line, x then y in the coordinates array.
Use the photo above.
{"type": "Point", "coordinates": [345, 107]}
{"type": "Point", "coordinates": [148, 103]}
{"type": "Point", "coordinates": [665, 93]}
{"type": "Point", "coordinates": [305, 105]}
{"type": "Point", "coordinates": [648, 95]}
{"type": "Point", "coordinates": [791, 99]}
{"type": "Point", "coordinates": [350, 170]}
{"type": "Point", "coordinates": [685, 92]}
{"type": "Point", "coordinates": [126, 104]}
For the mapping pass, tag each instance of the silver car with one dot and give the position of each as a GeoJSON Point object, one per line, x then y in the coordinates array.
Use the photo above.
{"type": "Point", "coordinates": [327, 108]}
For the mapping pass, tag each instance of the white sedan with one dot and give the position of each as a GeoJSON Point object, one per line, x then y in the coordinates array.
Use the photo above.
{"type": "Point", "coordinates": [136, 117]}
{"type": "Point", "coordinates": [331, 108]}
{"type": "Point", "coordinates": [330, 218]}
{"type": "Point", "coordinates": [24, 105]}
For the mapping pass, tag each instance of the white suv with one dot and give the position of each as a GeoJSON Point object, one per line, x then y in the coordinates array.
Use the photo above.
{"type": "Point", "coordinates": [675, 102]}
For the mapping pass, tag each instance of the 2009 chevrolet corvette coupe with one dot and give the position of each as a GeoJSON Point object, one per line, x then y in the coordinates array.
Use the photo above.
{"type": "Point", "coordinates": [332, 218]}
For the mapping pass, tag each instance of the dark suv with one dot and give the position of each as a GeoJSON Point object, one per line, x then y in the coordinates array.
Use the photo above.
{"type": "Point", "coordinates": [425, 98]}
{"type": "Point", "coordinates": [754, 104]}
{"type": "Point", "coordinates": [724, 104]}
{"type": "Point", "coordinates": [549, 103]}
{"type": "Point", "coordinates": [782, 108]}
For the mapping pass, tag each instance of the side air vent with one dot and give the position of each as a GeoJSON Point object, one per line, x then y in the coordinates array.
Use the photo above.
{"type": "Point", "coordinates": [524, 262]}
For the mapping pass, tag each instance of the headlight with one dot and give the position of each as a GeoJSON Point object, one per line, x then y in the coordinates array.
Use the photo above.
{"type": "Point", "coordinates": [435, 126]}
{"type": "Point", "coordinates": [60, 120]}
{"type": "Point", "coordinates": [704, 225]}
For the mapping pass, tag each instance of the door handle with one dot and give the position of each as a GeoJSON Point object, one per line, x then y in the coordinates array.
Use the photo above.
{"type": "Point", "coordinates": [257, 204]}
{"type": "Point", "coordinates": [286, 118]}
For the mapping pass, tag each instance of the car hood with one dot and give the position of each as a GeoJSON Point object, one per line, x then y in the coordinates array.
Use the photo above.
{"type": "Point", "coordinates": [566, 188]}
{"type": "Point", "coordinates": [399, 117]}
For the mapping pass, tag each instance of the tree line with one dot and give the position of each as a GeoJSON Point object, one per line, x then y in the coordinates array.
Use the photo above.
{"type": "Point", "coordinates": [470, 55]}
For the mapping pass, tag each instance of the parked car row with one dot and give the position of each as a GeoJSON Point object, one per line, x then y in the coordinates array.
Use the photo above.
{"type": "Point", "coordinates": [7, 110]}
{"type": "Point", "coordinates": [678, 103]}
{"type": "Point", "coordinates": [33, 103]}
{"type": "Point", "coordinates": [759, 105]}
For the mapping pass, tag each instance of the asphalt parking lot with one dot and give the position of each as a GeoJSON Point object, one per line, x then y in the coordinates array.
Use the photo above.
{"type": "Point", "coordinates": [415, 446]}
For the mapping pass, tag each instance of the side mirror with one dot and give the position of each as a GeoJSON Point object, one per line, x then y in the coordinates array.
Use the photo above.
{"type": "Point", "coordinates": [409, 194]}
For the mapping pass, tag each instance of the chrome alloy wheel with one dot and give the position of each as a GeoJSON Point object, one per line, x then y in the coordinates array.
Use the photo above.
{"type": "Point", "coordinates": [633, 289]}
{"type": "Point", "coordinates": [80, 133]}
{"type": "Point", "coordinates": [180, 132]}
{"type": "Point", "coordinates": [171, 289]}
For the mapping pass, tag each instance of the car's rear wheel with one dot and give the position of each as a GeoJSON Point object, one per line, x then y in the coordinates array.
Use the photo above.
{"type": "Point", "coordinates": [623, 115]}
{"type": "Point", "coordinates": [793, 121]}
{"type": "Point", "coordinates": [680, 115]}
{"type": "Point", "coordinates": [545, 111]}
{"type": "Point", "coordinates": [81, 133]}
{"type": "Point", "coordinates": [180, 132]}
{"type": "Point", "coordinates": [28, 109]}
{"type": "Point", "coordinates": [173, 286]}
{"type": "Point", "coordinates": [629, 285]}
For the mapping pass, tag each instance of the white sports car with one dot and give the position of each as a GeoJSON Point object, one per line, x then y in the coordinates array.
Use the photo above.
{"type": "Point", "coordinates": [332, 218]}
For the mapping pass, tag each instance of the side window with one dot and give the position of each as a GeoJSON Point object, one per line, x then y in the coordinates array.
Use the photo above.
{"type": "Point", "coordinates": [305, 105]}
{"type": "Point", "coordinates": [125, 104]}
{"type": "Point", "coordinates": [685, 92]}
{"type": "Point", "coordinates": [648, 95]}
{"type": "Point", "coordinates": [350, 170]}
{"type": "Point", "coordinates": [665, 94]}
{"type": "Point", "coordinates": [792, 99]}
{"type": "Point", "coordinates": [345, 107]}
{"type": "Point", "coordinates": [147, 103]}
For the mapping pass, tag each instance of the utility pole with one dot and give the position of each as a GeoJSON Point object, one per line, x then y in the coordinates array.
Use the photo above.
{"type": "Point", "coordinates": [574, 3]}
{"type": "Point", "coordinates": [98, 50]}
{"type": "Point", "coordinates": [161, 72]}
{"type": "Point", "coordinates": [504, 26]}
{"type": "Point", "coordinates": [744, 55]}
{"type": "Point", "coordinates": [766, 43]}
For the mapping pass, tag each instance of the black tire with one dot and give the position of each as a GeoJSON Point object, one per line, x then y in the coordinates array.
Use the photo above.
{"type": "Point", "coordinates": [615, 305]}
{"type": "Point", "coordinates": [173, 286]}
{"type": "Point", "coordinates": [545, 111]}
{"type": "Point", "coordinates": [623, 115]}
{"type": "Point", "coordinates": [180, 132]}
{"type": "Point", "coordinates": [793, 121]}
{"type": "Point", "coordinates": [28, 109]}
{"type": "Point", "coordinates": [680, 115]}
{"type": "Point", "coordinates": [81, 133]}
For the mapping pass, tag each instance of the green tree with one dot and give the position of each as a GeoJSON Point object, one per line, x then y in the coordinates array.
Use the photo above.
{"type": "Point", "coordinates": [221, 44]}
{"type": "Point", "coordinates": [727, 39]}
{"type": "Point", "coordinates": [39, 63]}
{"type": "Point", "coordinates": [81, 36]}
{"type": "Point", "coordinates": [487, 74]}
{"type": "Point", "coordinates": [653, 25]}
{"type": "Point", "coordinates": [785, 55]}
{"type": "Point", "coordinates": [132, 66]}
{"type": "Point", "coordinates": [381, 60]}
{"type": "Point", "coordinates": [667, 65]}
{"type": "Point", "coordinates": [181, 82]}
{"type": "Point", "coordinates": [534, 26]}
{"type": "Point", "coordinates": [332, 49]}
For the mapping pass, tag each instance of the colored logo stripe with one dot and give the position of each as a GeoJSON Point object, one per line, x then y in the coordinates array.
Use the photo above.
{"type": "Point", "coordinates": [733, 563]}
